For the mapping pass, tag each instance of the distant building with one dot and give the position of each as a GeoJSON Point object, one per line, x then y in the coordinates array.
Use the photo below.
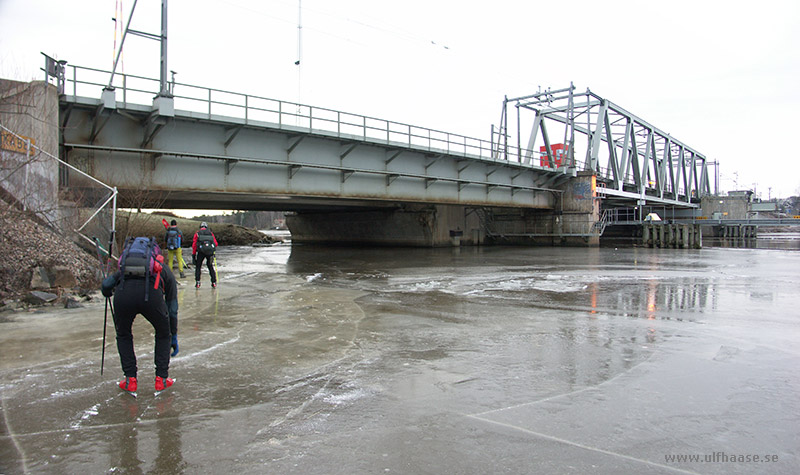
{"type": "Point", "coordinates": [736, 205]}
{"type": "Point", "coordinates": [739, 204]}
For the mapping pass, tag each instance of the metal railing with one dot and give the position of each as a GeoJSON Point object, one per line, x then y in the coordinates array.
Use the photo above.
{"type": "Point", "coordinates": [208, 103]}
{"type": "Point", "coordinates": [32, 154]}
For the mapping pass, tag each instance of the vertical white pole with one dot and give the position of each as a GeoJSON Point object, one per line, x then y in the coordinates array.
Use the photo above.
{"type": "Point", "coordinates": [164, 82]}
{"type": "Point", "coordinates": [299, 62]}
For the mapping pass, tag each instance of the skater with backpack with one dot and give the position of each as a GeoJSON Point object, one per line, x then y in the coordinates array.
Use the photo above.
{"type": "Point", "coordinates": [174, 238]}
{"type": "Point", "coordinates": [142, 285]}
{"type": "Point", "coordinates": [204, 245]}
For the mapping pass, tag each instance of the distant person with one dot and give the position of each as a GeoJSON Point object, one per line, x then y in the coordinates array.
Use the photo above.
{"type": "Point", "coordinates": [174, 239]}
{"type": "Point", "coordinates": [143, 286]}
{"type": "Point", "coordinates": [204, 245]}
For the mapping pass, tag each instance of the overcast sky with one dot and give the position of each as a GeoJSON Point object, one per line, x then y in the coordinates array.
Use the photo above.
{"type": "Point", "coordinates": [721, 76]}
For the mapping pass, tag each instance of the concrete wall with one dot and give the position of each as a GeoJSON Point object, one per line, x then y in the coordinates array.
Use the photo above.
{"type": "Point", "coordinates": [731, 207]}
{"type": "Point", "coordinates": [30, 110]}
{"type": "Point", "coordinates": [411, 225]}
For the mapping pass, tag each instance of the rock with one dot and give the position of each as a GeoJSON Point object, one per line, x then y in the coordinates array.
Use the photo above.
{"type": "Point", "coordinates": [41, 279]}
{"type": "Point", "coordinates": [50, 277]}
{"type": "Point", "coordinates": [72, 303]}
{"type": "Point", "coordinates": [37, 297]}
{"type": "Point", "coordinates": [86, 294]}
{"type": "Point", "coordinates": [63, 277]}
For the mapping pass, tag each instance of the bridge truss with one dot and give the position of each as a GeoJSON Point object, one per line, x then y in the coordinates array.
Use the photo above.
{"type": "Point", "coordinates": [633, 159]}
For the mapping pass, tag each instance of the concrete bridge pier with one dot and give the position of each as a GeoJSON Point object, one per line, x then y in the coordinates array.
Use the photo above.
{"type": "Point", "coordinates": [571, 223]}
{"type": "Point", "coordinates": [736, 231]}
{"type": "Point", "coordinates": [683, 236]}
{"type": "Point", "coordinates": [406, 225]}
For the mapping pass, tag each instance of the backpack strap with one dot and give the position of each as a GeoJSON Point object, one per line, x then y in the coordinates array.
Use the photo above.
{"type": "Point", "coordinates": [157, 269]}
{"type": "Point", "coordinates": [122, 259]}
{"type": "Point", "coordinates": [147, 269]}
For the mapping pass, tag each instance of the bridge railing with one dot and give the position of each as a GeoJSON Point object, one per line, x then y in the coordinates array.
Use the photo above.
{"type": "Point", "coordinates": [208, 103]}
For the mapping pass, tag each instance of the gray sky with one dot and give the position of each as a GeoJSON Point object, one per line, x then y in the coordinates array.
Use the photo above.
{"type": "Point", "coordinates": [721, 76]}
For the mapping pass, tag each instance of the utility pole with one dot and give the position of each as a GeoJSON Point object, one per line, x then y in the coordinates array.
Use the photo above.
{"type": "Point", "coordinates": [163, 102]}
{"type": "Point", "coordinates": [164, 92]}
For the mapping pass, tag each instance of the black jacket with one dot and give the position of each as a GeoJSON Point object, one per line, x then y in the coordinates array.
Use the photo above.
{"type": "Point", "coordinates": [168, 286]}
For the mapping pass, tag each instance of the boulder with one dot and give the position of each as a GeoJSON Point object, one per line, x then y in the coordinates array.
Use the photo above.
{"type": "Point", "coordinates": [72, 303]}
{"type": "Point", "coordinates": [50, 277]}
{"type": "Point", "coordinates": [63, 277]}
{"type": "Point", "coordinates": [41, 279]}
{"type": "Point", "coordinates": [37, 297]}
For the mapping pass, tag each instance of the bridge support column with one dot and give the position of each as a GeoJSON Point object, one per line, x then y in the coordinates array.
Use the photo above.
{"type": "Point", "coordinates": [412, 225]}
{"type": "Point", "coordinates": [580, 211]}
{"type": "Point", "coordinates": [697, 242]}
{"type": "Point", "coordinates": [684, 242]}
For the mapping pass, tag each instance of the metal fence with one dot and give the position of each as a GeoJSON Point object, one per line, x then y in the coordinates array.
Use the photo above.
{"type": "Point", "coordinates": [207, 103]}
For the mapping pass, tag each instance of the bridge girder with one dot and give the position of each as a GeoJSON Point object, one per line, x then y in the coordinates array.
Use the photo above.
{"type": "Point", "coordinates": [219, 163]}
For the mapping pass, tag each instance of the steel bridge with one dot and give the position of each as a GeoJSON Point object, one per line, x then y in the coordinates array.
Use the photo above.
{"type": "Point", "coordinates": [199, 147]}
{"type": "Point", "coordinates": [208, 148]}
{"type": "Point", "coordinates": [633, 160]}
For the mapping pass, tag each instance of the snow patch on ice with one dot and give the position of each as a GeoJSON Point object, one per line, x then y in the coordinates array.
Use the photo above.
{"type": "Point", "coordinates": [346, 397]}
{"type": "Point", "coordinates": [88, 413]}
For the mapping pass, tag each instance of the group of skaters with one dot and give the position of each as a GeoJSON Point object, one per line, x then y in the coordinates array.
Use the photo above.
{"type": "Point", "coordinates": [143, 285]}
{"type": "Point", "coordinates": [204, 247]}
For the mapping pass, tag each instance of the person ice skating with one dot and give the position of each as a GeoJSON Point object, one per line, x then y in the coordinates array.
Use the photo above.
{"type": "Point", "coordinates": [174, 239]}
{"type": "Point", "coordinates": [204, 245]}
{"type": "Point", "coordinates": [141, 285]}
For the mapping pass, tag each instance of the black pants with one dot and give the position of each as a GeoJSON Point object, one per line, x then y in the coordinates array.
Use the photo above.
{"type": "Point", "coordinates": [129, 302]}
{"type": "Point", "coordinates": [209, 264]}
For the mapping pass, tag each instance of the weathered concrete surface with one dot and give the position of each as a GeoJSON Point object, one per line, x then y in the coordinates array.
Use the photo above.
{"type": "Point", "coordinates": [409, 225]}
{"type": "Point", "coordinates": [570, 223]}
{"type": "Point", "coordinates": [728, 207]}
{"type": "Point", "coordinates": [30, 110]}
{"type": "Point", "coordinates": [469, 360]}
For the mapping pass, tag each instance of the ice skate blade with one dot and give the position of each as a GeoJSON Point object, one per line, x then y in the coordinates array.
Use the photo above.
{"type": "Point", "coordinates": [165, 389]}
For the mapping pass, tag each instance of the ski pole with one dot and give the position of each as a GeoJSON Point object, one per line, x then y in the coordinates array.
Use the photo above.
{"type": "Point", "coordinates": [105, 324]}
{"type": "Point", "coordinates": [108, 303]}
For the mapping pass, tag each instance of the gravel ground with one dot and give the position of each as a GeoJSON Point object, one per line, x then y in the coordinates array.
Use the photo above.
{"type": "Point", "coordinates": [27, 245]}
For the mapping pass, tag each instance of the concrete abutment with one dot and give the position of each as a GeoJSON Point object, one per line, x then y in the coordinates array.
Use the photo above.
{"type": "Point", "coordinates": [408, 225]}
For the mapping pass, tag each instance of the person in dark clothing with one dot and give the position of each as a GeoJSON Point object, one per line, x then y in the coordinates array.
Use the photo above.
{"type": "Point", "coordinates": [133, 295]}
{"type": "Point", "coordinates": [174, 239]}
{"type": "Point", "coordinates": [204, 245]}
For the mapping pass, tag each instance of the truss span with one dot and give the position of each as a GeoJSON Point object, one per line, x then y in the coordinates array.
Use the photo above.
{"type": "Point", "coordinates": [633, 159]}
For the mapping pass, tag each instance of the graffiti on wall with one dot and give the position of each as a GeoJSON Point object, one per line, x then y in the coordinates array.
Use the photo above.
{"type": "Point", "coordinates": [582, 191]}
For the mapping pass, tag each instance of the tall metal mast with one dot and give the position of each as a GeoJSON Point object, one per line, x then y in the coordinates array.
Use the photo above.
{"type": "Point", "coordinates": [164, 82]}
{"type": "Point", "coordinates": [162, 38]}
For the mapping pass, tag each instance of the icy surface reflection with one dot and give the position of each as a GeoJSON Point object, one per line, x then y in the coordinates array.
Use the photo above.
{"type": "Point", "coordinates": [473, 360]}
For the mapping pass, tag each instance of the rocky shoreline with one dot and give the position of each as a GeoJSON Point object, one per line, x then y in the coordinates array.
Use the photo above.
{"type": "Point", "coordinates": [41, 267]}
